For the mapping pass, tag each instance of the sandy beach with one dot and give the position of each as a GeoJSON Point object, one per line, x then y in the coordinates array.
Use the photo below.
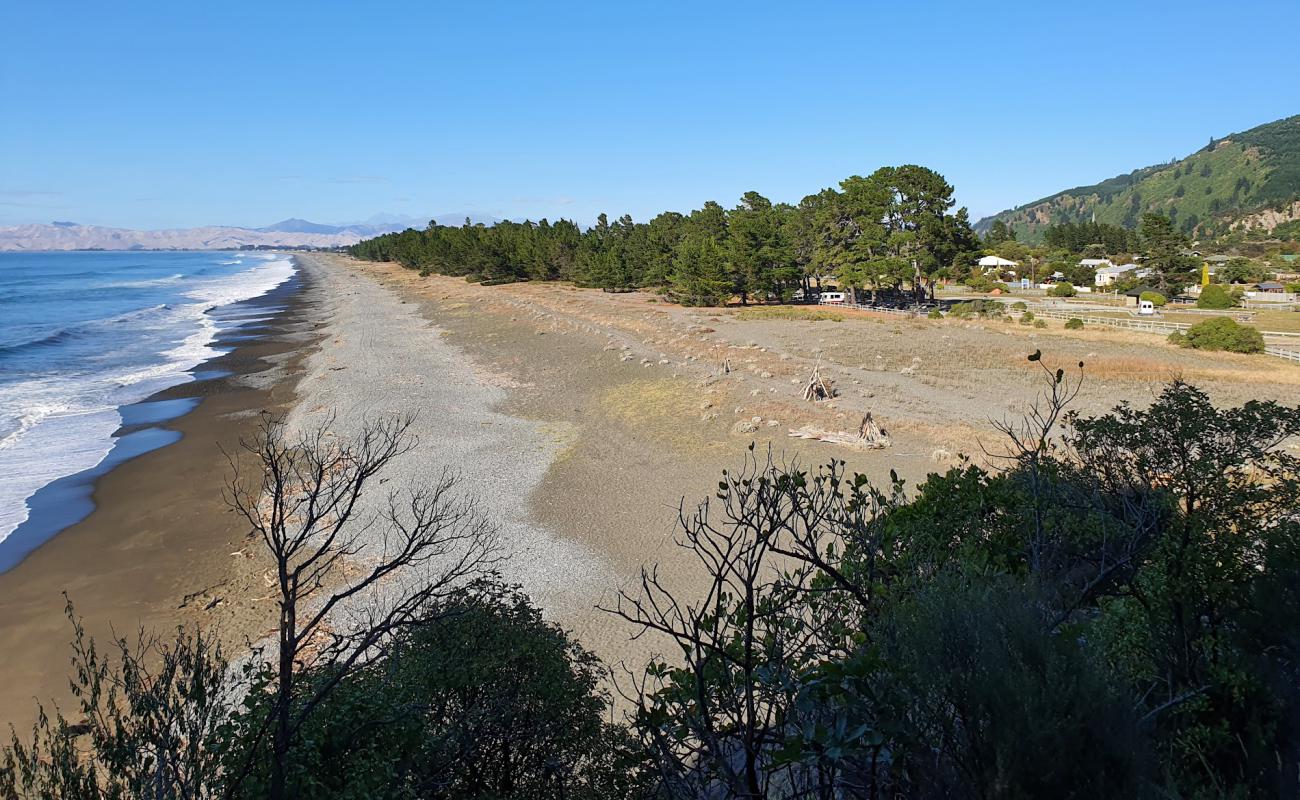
{"type": "Point", "coordinates": [580, 421]}
{"type": "Point", "coordinates": [160, 549]}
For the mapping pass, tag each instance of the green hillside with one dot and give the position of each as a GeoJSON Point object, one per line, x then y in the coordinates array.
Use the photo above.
{"type": "Point", "coordinates": [1247, 178]}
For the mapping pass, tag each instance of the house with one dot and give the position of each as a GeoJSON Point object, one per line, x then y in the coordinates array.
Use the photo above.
{"type": "Point", "coordinates": [995, 264]}
{"type": "Point", "coordinates": [1133, 297]}
{"type": "Point", "coordinates": [1272, 287]}
{"type": "Point", "coordinates": [1107, 275]}
{"type": "Point", "coordinates": [1096, 263]}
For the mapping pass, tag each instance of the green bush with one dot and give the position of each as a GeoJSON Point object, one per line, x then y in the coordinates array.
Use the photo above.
{"type": "Point", "coordinates": [1293, 288]}
{"type": "Point", "coordinates": [1063, 289]}
{"type": "Point", "coordinates": [1040, 323]}
{"type": "Point", "coordinates": [486, 675]}
{"type": "Point", "coordinates": [1020, 305]}
{"type": "Point", "coordinates": [979, 283]}
{"type": "Point", "coordinates": [1027, 318]}
{"type": "Point", "coordinates": [1216, 297]}
{"type": "Point", "coordinates": [1177, 338]}
{"type": "Point", "coordinates": [1224, 333]}
{"type": "Point", "coordinates": [1073, 324]}
{"type": "Point", "coordinates": [977, 308]}
{"type": "Point", "coordinates": [1154, 298]}
{"type": "Point", "coordinates": [935, 314]}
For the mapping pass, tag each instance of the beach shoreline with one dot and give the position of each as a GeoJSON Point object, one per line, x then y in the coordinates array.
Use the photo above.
{"type": "Point", "coordinates": [156, 549]}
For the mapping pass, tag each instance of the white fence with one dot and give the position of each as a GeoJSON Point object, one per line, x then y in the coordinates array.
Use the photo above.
{"type": "Point", "coordinates": [1148, 325]}
{"type": "Point", "coordinates": [1154, 325]}
{"type": "Point", "coordinates": [1289, 355]}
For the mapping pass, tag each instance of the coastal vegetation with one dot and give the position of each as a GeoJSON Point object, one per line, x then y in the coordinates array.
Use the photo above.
{"type": "Point", "coordinates": [1220, 333]}
{"type": "Point", "coordinates": [1216, 297]}
{"type": "Point", "coordinates": [1083, 593]}
{"type": "Point", "coordinates": [893, 228]}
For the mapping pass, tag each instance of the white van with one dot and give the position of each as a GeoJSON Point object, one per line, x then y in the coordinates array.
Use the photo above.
{"type": "Point", "coordinates": [1146, 308]}
{"type": "Point", "coordinates": [831, 298]}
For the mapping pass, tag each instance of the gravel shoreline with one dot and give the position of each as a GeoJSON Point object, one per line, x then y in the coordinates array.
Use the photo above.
{"type": "Point", "coordinates": [381, 357]}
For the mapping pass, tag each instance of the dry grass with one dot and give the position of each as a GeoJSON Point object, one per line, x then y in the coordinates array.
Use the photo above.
{"type": "Point", "coordinates": [667, 409]}
{"type": "Point", "coordinates": [1287, 321]}
{"type": "Point", "coordinates": [790, 312]}
{"type": "Point", "coordinates": [1239, 369]}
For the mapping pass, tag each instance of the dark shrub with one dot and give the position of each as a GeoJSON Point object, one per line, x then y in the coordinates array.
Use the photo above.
{"type": "Point", "coordinates": [1224, 333]}
{"type": "Point", "coordinates": [1215, 296]}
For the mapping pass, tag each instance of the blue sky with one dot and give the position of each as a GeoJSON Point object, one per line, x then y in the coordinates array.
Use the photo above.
{"type": "Point", "coordinates": [144, 114]}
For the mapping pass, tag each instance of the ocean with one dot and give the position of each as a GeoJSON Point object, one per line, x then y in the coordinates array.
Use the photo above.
{"type": "Point", "coordinates": [82, 335]}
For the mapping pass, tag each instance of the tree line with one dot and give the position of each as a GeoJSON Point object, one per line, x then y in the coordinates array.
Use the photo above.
{"type": "Point", "coordinates": [895, 228]}
{"type": "Point", "coordinates": [1092, 619]}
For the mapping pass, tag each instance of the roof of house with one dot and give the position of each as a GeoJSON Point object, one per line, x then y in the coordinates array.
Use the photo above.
{"type": "Point", "coordinates": [1270, 285]}
{"type": "Point", "coordinates": [1094, 262]}
{"type": "Point", "coordinates": [994, 261]}
{"type": "Point", "coordinates": [1117, 269]}
{"type": "Point", "coordinates": [1218, 259]}
{"type": "Point", "coordinates": [1138, 291]}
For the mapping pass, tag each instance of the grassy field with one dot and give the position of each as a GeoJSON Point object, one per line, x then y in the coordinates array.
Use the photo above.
{"type": "Point", "coordinates": [1285, 321]}
{"type": "Point", "coordinates": [791, 312]}
{"type": "Point", "coordinates": [1267, 320]}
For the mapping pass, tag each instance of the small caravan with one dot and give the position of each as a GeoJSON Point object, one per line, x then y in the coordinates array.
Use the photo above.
{"type": "Point", "coordinates": [831, 298]}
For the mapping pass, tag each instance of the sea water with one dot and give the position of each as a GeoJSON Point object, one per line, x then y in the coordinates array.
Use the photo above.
{"type": "Point", "coordinates": [84, 334]}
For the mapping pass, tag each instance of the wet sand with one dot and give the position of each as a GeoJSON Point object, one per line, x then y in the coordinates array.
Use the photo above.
{"type": "Point", "coordinates": [156, 551]}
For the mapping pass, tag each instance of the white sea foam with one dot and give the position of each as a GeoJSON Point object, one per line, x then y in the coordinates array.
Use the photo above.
{"type": "Point", "coordinates": [176, 278]}
{"type": "Point", "coordinates": [65, 424]}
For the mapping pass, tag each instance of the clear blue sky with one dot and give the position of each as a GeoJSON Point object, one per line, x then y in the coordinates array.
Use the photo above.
{"type": "Point", "coordinates": [168, 114]}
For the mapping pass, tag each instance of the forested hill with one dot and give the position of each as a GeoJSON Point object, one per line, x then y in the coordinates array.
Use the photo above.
{"type": "Point", "coordinates": [1247, 179]}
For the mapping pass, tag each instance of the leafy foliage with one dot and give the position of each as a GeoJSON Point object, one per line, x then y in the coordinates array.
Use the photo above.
{"type": "Point", "coordinates": [893, 228]}
{"type": "Point", "coordinates": [485, 700]}
{"type": "Point", "coordinates": [1224, 333]}
{"type": "Point", "coordinates": [1102, 597]}
{"type": "Point", "coordinates": [1215, 296]}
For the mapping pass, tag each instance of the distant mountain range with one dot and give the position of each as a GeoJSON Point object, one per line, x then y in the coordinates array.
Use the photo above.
{"type": "Point", "coordinates": [1249, 179]}
{"type": "Point", "coordinates": [288, 233]}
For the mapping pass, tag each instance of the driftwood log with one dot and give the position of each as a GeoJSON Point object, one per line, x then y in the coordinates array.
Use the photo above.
{"type": "Point", "coordinates": [868, 436]}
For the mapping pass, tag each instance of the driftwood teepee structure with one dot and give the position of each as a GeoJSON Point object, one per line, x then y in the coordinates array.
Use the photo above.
{"type": "Point", "coordinates": [818, 388]}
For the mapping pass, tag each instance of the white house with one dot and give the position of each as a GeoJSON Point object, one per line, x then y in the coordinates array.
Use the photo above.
{"type": "Point", "coordinates": [1107, 272]}
{"type": "Point", "coordinates": [995, 264]}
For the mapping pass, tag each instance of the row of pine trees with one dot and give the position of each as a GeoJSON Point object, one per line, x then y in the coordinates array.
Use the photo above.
{"type": "Point", "coordinates": [892, 230]}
